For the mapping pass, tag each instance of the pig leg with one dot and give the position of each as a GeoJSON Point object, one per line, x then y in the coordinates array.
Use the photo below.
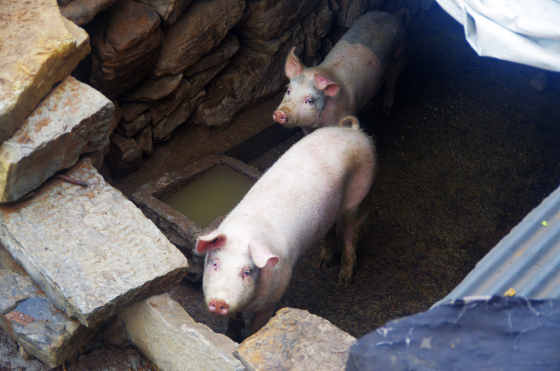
{"type": "Point", "coordinates": [260, 319]}
{"type": "Point", "coordinates": [353, 221]}
{"type": "Point", "coordinates": [328, 248]}
{"type": "Point", "coordinates": [235, 325]}
{"type": "Point", "coordinates": [393, 72]}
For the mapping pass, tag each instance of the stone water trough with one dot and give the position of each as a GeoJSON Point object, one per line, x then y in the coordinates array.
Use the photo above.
{"type": "Point", "coordinates": [152, 199]}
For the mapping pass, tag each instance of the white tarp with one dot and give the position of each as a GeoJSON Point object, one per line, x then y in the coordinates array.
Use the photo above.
{"type": "Point", "coordinates": [523, 31]}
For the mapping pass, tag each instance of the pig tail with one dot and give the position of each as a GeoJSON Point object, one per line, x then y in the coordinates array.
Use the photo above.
{"type": "Point", "coordinates": [349, 122]}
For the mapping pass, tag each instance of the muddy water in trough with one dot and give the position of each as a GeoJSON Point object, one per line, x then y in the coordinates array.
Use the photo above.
{"type": "Point", "coordinates": [467, 151]}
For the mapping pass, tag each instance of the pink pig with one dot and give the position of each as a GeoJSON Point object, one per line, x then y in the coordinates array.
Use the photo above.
{"type": "Point", "coordinates": [250, 257]}
{"type": "Point", "coordinates": [370, 53]}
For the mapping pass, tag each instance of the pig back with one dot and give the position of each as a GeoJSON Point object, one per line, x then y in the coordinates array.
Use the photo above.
{"type": "Point", "coordinates": [319, 178]}
{"type": "Point", "coordinates": [380, 32]}
{"type": "Point", "coordinates": [360, 59]}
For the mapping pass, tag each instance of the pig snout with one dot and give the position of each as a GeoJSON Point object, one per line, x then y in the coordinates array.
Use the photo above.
{"type": "Point", "coordinates": [280, 116]}
{"type": "Point", "coordinates": [218, 307]}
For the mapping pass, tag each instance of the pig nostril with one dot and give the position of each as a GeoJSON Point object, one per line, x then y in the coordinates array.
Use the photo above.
{"type": "Point", "coordinates": [218, 307]}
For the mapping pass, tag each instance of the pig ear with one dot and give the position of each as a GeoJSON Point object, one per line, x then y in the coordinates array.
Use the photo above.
{"type": "Point", "coordinates": [294, 67]}
{"type": "Point", "coordinates": [330, 87]}
{"type": "Point", "coordinates": [212, 240]}
{"type": "Point", "coordinates": [262, 255]}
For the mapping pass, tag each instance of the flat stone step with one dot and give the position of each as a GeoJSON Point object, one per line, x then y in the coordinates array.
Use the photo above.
{"type": "Point", "coordinates": [165, 334]}
{"type": "Point", "coordinates": [89, 248]}
{"type": "Point", "coordinates": [39, 49]}
{"type": "Point", "coordinates": [29, 318]}
{"type": "Point", "coordinates": [73, 119]}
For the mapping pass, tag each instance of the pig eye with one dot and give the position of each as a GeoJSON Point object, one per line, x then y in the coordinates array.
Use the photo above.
{"type": "Point", "coordinates": [246, 272]}
{"type": "Point", "coordinates": [288, 91]}
{"type": "Point", "coordinates": [215, 264]}
{"type": "Point", "coordinates": [309, 100]}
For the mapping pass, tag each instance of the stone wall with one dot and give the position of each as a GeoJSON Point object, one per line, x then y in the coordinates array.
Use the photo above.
{"type": "Point", "coordinates": [168, 62]}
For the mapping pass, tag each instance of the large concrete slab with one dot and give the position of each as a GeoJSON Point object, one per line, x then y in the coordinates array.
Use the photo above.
{"type": "Point", "coordinates": [165, 334]}
{"type": "Point", "coordinates": [38, 48]}
{"type": "Point", "coordinates": [294, 339]}
{"type": "Point", "coordinates": [89, 248]}
{"type": "Point", "coordinates": [73, 119]}
{"type": "Point", "coordinates": [29, 318]}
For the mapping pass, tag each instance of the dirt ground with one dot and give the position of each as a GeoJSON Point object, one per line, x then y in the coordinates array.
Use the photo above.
{"type": "Point", "coordinates": [467, 151]}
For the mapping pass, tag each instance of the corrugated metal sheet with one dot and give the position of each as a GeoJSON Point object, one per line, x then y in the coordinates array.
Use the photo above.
{"type": "Point", "coordinates": [527, 259]}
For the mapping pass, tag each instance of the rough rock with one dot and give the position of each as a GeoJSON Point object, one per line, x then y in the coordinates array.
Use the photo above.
{"type": "Point", "coordinates": [296, 340]}
{"type": "Point", "coordinates": [266, 19]}
{"type": "Point", "coordinates": [165, 334]}
{"type": "Point", "coordinates": [28, 316]}
{"type": "Point", "coordinates": [396, 5]}
{"type": "Point", "coordinates": [94, 158]}
{"type": "Point", "coordinates": [272, 46]}
{"type": "Point", "coordinates": [324, 19]}
{"type": "Point", "coordinates": [131, 110]}
{"type": "Point", "coordinates": [125, 47]}
{"type": "Point", "coordinates": [11, 358]}
{"type": "Point", "coordinates": [162, 129]}
{"type": "Point", "coordinates": [169, 10]}
{"type": "Point", "coordinates": [197, 31]}
{"type": "Point", "coordinates": [38, 48]}
{"type": "Point", "coordinates": [316, 26]}
{"type": "Point", "coordinates": [199, 80]}
{"type": "Point", "coordinates": [224, 51]}
{"type": "Point", "coordinates": [82, 11]}
{"type": "Point", "coordinates": [164, 107]}
{"type": "Point", "coordinates": [349, 11]}
{"type": "Point", "coordinates": [149, 90]}
{"type": "Point", "coordinates": [249, 78]}
{"type": "Point", "coordinates": [72, 119]}
{"type": "Point", "coordinates": [89, 248]}
{"type": "Point", "coordinates": [130, 129]}
{"type": "Point", "coordinates": [144, 140]}
{"type": "Point", "coordinates": [124, 156]}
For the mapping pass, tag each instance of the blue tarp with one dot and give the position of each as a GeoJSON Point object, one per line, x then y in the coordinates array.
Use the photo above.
{"type": "Point", "coordinates": [492, 333]}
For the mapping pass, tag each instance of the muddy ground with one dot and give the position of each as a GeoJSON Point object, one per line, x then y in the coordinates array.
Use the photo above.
{"type": "Point", "coordinates": [467, 151]}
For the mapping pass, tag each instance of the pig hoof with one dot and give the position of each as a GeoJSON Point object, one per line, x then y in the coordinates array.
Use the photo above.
{"type": "Point", "coordinates": [218, 307]}
{"type": "Point", "coordinates": [325, 260]}
{"type": "Point", "coordinates": [344, 280]}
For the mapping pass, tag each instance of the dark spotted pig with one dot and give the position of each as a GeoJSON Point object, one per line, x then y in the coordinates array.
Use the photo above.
{"type": "Point", "coordinates": [325, 176]}
{"type": "Point", "coordinates": [370, 53]}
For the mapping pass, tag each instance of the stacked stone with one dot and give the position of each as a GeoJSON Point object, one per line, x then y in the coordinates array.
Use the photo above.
{"type": "Point", "coordinates": [175, 61]}
{"type": "Point", "coordinates": [46, 124]}
{"type": "Point", "coordinates": [89, 250]}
